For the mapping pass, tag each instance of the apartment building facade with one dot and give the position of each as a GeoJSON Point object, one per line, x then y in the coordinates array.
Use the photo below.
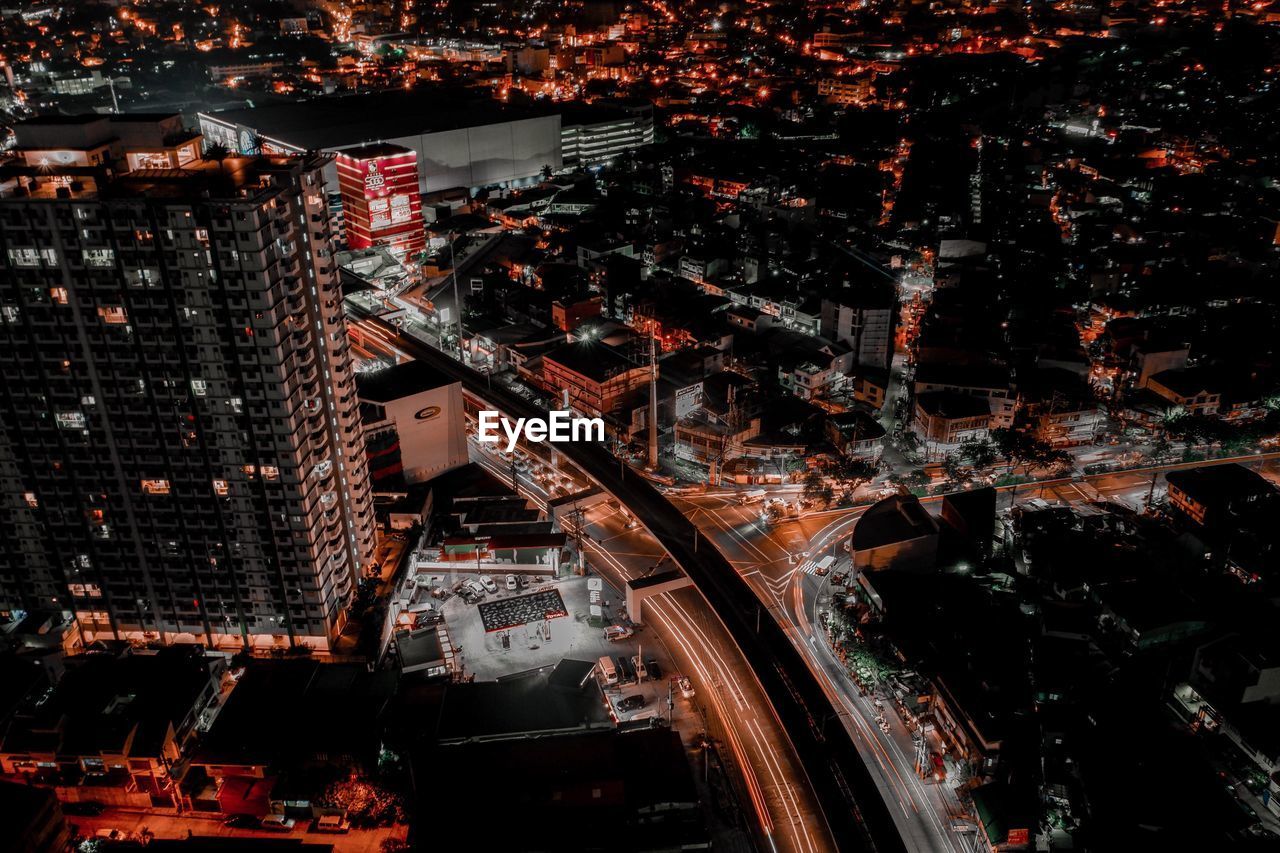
{"type": "Point", "coordinates": [181, 452]}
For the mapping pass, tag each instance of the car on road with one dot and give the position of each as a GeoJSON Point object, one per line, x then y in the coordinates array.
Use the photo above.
{"type": "Point", "coordinates": [512, 583]}
{"type": "Point", "coordinates": [242, 821]}
{"type": "Point", "coordinates": [487, 583]}
{"type": "Point", "coordinates": [634, 702]}
{"type": "Point", "coordinates": [686, 687]}
{"type": "Point", "coordinates": [278, 823]}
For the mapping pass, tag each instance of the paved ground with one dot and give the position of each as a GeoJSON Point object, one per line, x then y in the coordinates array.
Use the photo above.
{"type": "Point", "coordinates": [488, 656]}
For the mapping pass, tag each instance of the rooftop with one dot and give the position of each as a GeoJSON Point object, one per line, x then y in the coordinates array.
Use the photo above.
{"type": "Point", "coordinates": [328, 123]}
{"type": "Point", "coordinates": [898, 518]}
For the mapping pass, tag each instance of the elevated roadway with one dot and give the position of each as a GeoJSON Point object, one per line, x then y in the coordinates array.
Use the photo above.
{"type": "Point", "coordinates": [856, 815]}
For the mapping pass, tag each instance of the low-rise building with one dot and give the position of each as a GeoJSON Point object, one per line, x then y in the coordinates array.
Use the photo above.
{"type": "Point", "coordinates": [1212, 496]}
{"type": "Point", "coordinates": [942, 420]}
{"type": "Point", "coordinates": [115, 725]}
{"type": "Point", "coordinates": [1188, 389]}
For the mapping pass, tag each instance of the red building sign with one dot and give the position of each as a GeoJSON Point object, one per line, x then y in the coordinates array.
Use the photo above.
{"type": "Point", "coordinates": [380, 200]}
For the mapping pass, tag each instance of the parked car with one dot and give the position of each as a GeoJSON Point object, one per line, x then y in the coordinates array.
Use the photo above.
{"type": "Point", "coordinates": [278, 823]}
{"type": "Point", "coordinates": [332, 823]}
{"type": "Point", "coordinates": [686, 687]}
{"type": "Point", "coordinates": [642, 672]}
{"type": "Point", "coordinates": [84, 808]}
{"type": "Point", "coordinates": [487, 583]}
{"type": "Point", "coordinates": [511, 582]}
{"type": "Point", "coordinates": [477, 588]}
{"type": "Point", "coordinates": [655, 671]}
{"type": "Point", "coordinates": [523, 581]}
{"type": "Point", "coordinates": [242, 821]}
{"type": "Point", "coordinates": [633, 702]}
{"type": "Point", "coordinates": [108, 833]}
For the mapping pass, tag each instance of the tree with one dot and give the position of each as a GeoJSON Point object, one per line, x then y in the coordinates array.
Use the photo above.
{"type": "Point", "coordinates": [217, 152]}
{"type": "Point", "coordinates": [916, 478]}
{"type": "Point", "coordinates": [366, 803]}
{"type": "Point", "coordinates": [817, 489]}
{"type": "Point", "coordinates": [955, 470]}
{"type": "Point", "coordinates": [1023, 448]}
{"type": "Point", "coordinates": [849, 472]}
{"type": "Point", "coordinates": [978, 453]}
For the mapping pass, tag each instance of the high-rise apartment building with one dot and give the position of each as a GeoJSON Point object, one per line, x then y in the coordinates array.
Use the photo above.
{"type": "Point", "coordinates": [180, 447]}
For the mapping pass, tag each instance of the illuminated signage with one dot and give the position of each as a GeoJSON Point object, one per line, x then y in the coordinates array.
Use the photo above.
{"type": "Point", "coordinates": [374, 180]}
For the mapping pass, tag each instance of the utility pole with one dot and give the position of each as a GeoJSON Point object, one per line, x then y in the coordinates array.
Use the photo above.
{"type": "Point", "coordinates": [457, 301]}
{"type": "Point", "coordinates": [653, 402]}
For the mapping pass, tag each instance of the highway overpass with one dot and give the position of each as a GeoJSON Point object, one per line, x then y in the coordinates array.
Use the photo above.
{"type": "Point", "coordinates": [856, 814]}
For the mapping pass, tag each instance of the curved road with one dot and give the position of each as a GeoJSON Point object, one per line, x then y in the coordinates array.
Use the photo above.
{"type": "Point", "coordinates": [856, 814]}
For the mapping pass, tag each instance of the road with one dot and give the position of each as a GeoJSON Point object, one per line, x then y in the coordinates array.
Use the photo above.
{"type": "Point", "coordinates": [786, 812]}
{"type": "Point", "coordinates": [777, 560]}
{"type": "Point", "coordinates": [856, 817]}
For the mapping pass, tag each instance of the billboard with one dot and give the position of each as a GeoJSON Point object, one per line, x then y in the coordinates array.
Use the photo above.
{"type": "Point", "coordinates": [380, 200]}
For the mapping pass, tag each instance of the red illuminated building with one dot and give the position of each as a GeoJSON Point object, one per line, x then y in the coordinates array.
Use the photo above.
{"type": "Point", "coordinates": [380, 201]}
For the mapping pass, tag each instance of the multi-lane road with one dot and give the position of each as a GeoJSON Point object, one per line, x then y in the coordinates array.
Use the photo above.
{"type": "Point", "coordinates": [778, 559]}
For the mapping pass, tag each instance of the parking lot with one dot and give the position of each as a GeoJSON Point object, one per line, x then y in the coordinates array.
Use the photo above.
{"type": "Point", "coordinates": [508, 645]}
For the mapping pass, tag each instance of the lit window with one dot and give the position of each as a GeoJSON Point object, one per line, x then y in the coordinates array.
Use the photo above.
{"type": "Point", "coordinates": [59, 295]}
{"type": "Point", "coordinates": [113, 314]}
{"type": "Point", "coordinates": [69, 420]}
{"type": "Point", "coordinates": [31, 499]}
{"type": "Point", "coordinates": [24, 257]}
{"type": "Point", "coordinates": [99, 257]}
{"type": "Point", "coordinates": [270, 472]}
{"type": "Point", "coordinates": [199, 387]}
{"type": "Point", "coordinates": [155, 487]}
{"type": "Point", "coordinates": [221, 488]}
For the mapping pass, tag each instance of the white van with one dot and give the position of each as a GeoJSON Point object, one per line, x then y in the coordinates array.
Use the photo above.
{"type": "Point", "coordinates": [608, 670]}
